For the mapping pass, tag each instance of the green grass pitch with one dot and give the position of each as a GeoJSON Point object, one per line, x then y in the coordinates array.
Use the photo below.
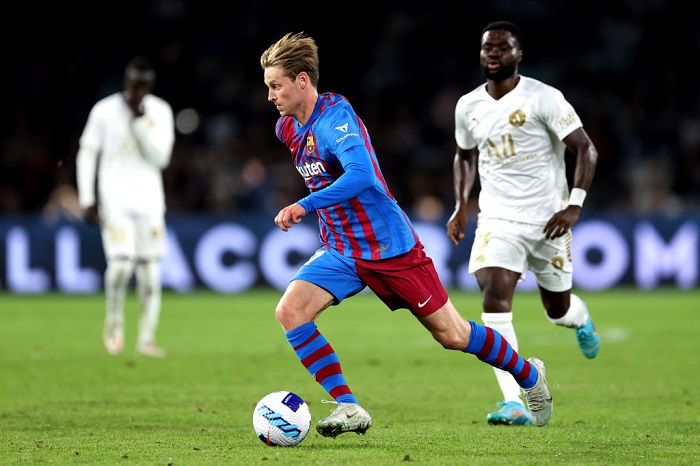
{"type": "Point", "coordinates": [64, 400]}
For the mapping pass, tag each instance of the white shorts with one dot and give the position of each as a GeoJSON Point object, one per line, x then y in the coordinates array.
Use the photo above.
{"type": "Point", "coordinates": [132, 235]}
{"type": "Point", "coordinates": [520, 247]}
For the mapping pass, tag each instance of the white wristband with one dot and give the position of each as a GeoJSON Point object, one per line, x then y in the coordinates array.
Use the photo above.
{"type": "Point", "coordinates": [577, 197]}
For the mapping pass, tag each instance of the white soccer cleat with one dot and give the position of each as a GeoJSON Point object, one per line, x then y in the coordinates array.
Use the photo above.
{"type": "Point", "coordinates": [347, 417]}
{"type": "Point", "coordinates": [150, 350]}
{"type": "Point", "coordinates": [113, 339]}
{"type": "Point", "coordinates": [539, 399]}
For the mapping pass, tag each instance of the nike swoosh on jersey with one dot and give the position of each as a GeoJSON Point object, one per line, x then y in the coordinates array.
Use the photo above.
{"type": "Point", "coordinates": [424, 302]}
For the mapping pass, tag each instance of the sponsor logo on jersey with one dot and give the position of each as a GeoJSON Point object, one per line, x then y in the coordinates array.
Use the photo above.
{"type": "Point", "coordinates": [568, 119]}
{"type": "Point", "coordinates": [308, 170]}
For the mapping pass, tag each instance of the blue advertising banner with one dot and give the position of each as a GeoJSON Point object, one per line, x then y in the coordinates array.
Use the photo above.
{"type": "Point", "coordinates": [235, 252]}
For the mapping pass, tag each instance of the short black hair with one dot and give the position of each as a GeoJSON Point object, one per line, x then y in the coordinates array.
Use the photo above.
{"type": "Point", "coordinates": [509, 26]}
{"type": "Point", "coordinates": [140, 66]}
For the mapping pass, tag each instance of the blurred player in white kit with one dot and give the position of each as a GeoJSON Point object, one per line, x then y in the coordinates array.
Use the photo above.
{"type": "Point", "coordinates": [126, 144]}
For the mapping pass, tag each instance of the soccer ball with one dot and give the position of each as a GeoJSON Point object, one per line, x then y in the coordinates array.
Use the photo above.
{"type": "Point", "coordinates": [281, 419]}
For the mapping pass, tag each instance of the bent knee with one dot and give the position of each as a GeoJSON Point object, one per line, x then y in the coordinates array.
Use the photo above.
{"type": "Point", "coordinates": [290, 317]}
{"type": "Point", "coordinates": [491, 304]}
{"type": "Point", "coordinates": [282, 313]}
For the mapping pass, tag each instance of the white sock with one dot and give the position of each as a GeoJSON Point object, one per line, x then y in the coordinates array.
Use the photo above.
{"type": "Point", "coordinates": [149, 291]}
{"type": "Point", "coordinates": [117, 276]}
{"type": "Point", "coordinates": [575, 317]}
{"type": "Point", "coordinates": [502, 322]}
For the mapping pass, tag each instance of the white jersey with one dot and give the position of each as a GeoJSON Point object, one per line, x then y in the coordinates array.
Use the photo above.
{"type": "Point", "coordinates": [521, 162]}
{"type": "Point", "coordinates": [132, 153]}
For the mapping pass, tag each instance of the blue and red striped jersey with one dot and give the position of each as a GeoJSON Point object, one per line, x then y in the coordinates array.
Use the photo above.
{"type": "Point", "coordinates": [357, 214]}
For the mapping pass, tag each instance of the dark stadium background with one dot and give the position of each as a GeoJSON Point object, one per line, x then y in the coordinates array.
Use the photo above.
{"type": "Point", "coordinates": [625, 65]}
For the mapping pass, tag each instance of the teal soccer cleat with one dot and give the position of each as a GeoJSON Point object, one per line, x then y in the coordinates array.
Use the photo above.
{"type": "Point", "coordinates": [588, 339]}
{"type": "Point", "coordinates": [511, 413]}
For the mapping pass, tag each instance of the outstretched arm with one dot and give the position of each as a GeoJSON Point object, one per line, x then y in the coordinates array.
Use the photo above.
{"type": "Point", "coordinates": [357, 178]}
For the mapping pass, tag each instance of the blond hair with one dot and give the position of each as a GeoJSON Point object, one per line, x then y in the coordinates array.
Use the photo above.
{"type": "Point", "coordinates": [293, 53]}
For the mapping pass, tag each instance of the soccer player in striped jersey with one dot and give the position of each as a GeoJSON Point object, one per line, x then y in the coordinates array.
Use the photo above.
{"type": "Point", "coordinates": [367, 240]}
{"type": "Point", "coordinates": [517, 129]}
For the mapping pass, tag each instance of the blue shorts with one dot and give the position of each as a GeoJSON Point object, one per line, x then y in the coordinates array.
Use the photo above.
{"type": "Point", "coordinates": [333, 272]}
{"type": "Point", "coordinates": [408, 281]}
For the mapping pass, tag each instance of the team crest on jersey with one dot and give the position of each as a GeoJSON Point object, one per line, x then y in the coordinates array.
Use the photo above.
{"type": "Point", "coordinates": [310, 144]}
{"type": "Point", "coordinates": [517, 118]}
